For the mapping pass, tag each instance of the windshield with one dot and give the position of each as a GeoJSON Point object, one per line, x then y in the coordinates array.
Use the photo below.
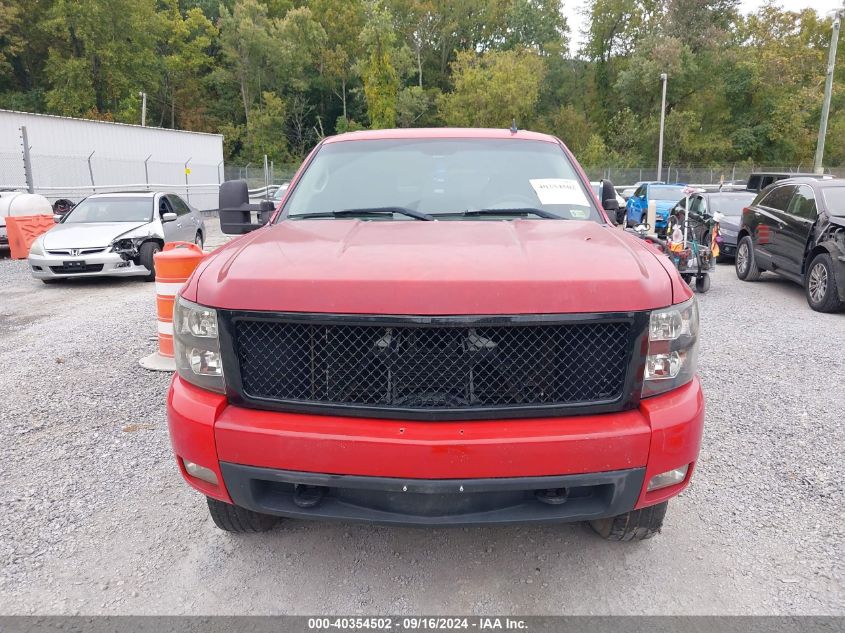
{"type": "Point", "coordinates": [105, 209]}
{"type": "Point", "coordinates": [729, 204]}
{"type": "Point", "coordinates": [443, 178]}
{"type": "Point", "coordinates": [280, 192]}
{"type": "Point", "coordinates": [672, 194]}
{"type": "Point", "coordinates": [834, 200]}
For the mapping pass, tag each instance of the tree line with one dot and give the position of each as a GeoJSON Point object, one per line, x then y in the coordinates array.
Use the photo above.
{"type": "Point", "coordinates": [274, 76]}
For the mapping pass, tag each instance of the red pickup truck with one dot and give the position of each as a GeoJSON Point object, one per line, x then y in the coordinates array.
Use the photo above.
{"type": "Point", "coordinates": [436, 327]}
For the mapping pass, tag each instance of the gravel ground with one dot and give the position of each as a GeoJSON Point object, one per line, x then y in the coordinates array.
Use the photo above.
{"type": "Point", "coordinates": [96, 519]}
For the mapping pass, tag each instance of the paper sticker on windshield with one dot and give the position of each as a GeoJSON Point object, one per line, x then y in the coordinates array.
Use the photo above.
{"type": "Point", "coordinates": [559, 191]}
{"type": "Point", "coordinates": [579, 214]}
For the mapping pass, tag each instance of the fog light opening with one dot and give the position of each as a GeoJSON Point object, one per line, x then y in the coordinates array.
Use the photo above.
{"type": "Point", "coordinates": [200, 472]}
{"type": "Point", "coordinates": [669, 478]}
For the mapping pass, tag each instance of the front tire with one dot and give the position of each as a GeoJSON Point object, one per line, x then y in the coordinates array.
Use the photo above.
{"type": "Point", "coordinates": [820, 285]}
{"type": "Point", "coordinates": [198, 240]}
{"type": "Point", "coordinates": [239, 520]}
{"type": "Point", "coordinates": [636, 525]}
{"type": "Point", "coordinates": [147, 257]}
{"type": "Point", "coordinates": [746, 264]}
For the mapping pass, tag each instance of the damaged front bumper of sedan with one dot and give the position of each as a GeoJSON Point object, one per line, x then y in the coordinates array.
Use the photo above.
{"type": "Point", "coordinates": [106, 261]}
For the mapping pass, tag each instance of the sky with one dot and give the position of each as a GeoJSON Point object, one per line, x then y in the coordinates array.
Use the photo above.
{"type": "Point", "coordinates": [573, 11]}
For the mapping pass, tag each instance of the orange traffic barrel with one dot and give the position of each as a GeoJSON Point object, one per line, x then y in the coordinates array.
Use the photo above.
{"type": "Point", "coordinates": [174, 265]}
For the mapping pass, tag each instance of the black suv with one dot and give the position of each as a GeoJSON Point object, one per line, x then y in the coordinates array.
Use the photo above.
{"type": "Point", "coordinates": [796, 228]}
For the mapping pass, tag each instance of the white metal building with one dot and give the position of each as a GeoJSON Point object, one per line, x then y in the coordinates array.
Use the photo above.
{"type": "Point", "coordinates": [70, 158]}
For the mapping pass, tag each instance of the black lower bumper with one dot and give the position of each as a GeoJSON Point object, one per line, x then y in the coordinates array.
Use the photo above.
{"type": "Point", "coordinates": [396, 501]}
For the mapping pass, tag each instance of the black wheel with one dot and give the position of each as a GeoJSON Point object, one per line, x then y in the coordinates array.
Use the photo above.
{"type": "Point", "coordinates": [820, 285]}
{"type": "Point", "coordinates": [746, 264]}
{"type": "Point", "coordinates": [240, 520]}
{"type": "Point", "coordinates": [198, 239]}
{"type": "Point", "coordinates": [702, 283]}
{"type": "Point", "coordinates": [636, 525]}
{"type": "Point", "coordinates": [148, 251]}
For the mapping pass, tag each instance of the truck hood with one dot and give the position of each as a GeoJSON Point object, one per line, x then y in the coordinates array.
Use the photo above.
{"type": "Point", "coordinates": [86, 234]}
{"type": "Point", "coordinates": [434, 268]}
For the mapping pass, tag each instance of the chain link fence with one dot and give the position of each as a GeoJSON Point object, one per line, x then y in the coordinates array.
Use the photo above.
{"type": "Point", "coordinates": [253, 173]}
{"type": "Point", "coordinates": [74, 177]}
{"type": "Point", "coordinates": [696, 174]}
{"type": "Point", "coordinates": [12, 174]}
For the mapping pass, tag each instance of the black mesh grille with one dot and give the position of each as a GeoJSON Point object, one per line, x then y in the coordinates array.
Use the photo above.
{"type": "Point", "coordinates": [427, 367]}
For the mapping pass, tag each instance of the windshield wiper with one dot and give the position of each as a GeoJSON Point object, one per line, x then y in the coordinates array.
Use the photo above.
{"type": "Point", "coordinates": [342, 213]}
{"type": "Point", "coordinates": [542, 213]}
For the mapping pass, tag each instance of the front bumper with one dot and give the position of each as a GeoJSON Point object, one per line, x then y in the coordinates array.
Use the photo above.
{"type": "Point", "coordinates": [396, 501]}
{"type": "Point", "coordinates": [101, 263]}
{"type": "Point", "coordinates": [412, 472]}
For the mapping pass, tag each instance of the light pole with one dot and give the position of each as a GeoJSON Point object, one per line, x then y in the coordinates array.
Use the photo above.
{"type": "Point", "coordinates": [664, 80]}
{"type": "Point", "coordinates": [143, 96]}
{"type": "Point", "coordinates": [828, 88]}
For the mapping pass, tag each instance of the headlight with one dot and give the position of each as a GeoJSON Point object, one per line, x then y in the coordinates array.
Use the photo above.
{"type": "Point", "coordinates": [196, 345]}
{"type": "Point", "coordinates": [36, 248]}
{"type": "Point", "coordinates": [672, 348]}
{"type": "Point", "coordinates": [126, 244]}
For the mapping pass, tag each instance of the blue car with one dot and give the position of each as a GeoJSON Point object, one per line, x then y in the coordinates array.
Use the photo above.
{"type": "Point", "coordinates": [666, 197]}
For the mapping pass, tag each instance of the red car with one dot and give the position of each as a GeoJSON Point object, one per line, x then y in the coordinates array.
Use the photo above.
{"type": "Point", "coordinates": [437, 327]}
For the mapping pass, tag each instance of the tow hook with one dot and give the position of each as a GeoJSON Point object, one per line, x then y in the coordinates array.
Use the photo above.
{"type": "Point", "coordinates": [308, 496]}
{"type": "Point", "coordinates": [552, 496]}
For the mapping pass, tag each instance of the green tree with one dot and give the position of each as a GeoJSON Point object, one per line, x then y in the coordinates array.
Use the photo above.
{"type": "Point", "coordinates": [378, 68]}
{"type": "Point", "coordinates": [493, 88]}
{"type": "Point", "coordinates": [102, 54]}
{"type": "Point", "coordinates": [537, 24]}
{"type": "Point", "coordinates": [264, 133]}
{"type": "Point", "coordinates": [342, 21]}
{"type": "Point", "coordinates": [247, 48]}
{"type": "Point", "coordinates": [184, 49]}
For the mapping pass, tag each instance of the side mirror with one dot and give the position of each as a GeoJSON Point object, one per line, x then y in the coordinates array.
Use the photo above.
{"type": "Point", "coordinates": [236, 211]}
{"type": "Point", "coordinates": [608, 199]}
{"type": "Point", "coordinates": [168, 217]}
{"type": "Point", "coordinates": [266, 212]}
{"type": "Point", "coordinates": [57, 218]}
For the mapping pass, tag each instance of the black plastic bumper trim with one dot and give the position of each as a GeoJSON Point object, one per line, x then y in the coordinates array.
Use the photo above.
{"type": "Point", "coordinates": [447, 502]}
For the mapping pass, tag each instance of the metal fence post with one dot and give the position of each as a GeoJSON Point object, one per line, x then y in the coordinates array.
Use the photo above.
{"type": "Point", "coordinates": [27, 161]}
{"type": "Point", "coordinates": [266, 178]}
{"type": "Point", "coordinates": [91, 172]}
{"type": "Point", "coordinates": [187, 173]}
{"type": "Point", "coordinates": [147, 171]}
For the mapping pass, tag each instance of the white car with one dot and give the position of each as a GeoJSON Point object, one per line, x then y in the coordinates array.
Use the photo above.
{"type": "Point", "coordinates": [114, 234]}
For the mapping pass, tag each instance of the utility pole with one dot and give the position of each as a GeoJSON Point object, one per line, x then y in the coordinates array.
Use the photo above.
{"type": "Point", "coordinates": [143, 96]}
{"type": "Point", "coordinates": [828, 89]}
{"type": "Point", "coordinates": [664, 80]}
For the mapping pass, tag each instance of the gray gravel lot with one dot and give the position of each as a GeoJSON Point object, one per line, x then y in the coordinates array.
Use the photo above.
{"type": "Point", "coordinates": [95, 518]}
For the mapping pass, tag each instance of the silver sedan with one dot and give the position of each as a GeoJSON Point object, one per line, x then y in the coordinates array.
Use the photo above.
{"type": "Point", "coordinates": [114, 234]}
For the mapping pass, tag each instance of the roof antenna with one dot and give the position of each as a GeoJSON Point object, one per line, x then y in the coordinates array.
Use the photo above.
{"type": "Point", "coordinates": [513, 126]}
